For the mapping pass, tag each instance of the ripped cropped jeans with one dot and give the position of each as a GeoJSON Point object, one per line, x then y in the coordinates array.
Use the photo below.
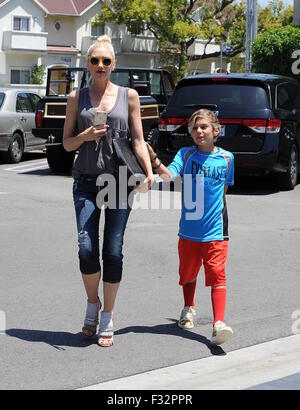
{"type": "Point", "coordinates": [88, 218]}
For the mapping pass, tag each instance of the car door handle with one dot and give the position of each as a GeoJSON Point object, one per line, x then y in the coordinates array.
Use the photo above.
{"type": "Point", "coordinates": [23, 119]}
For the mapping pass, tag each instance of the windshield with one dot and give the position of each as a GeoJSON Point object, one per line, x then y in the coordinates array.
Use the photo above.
{"type": "Point", "coordinates": [120, 78]}
{"type": "Point", "coordinates": [62, 81]}
{"type": "Point", "coordinates": [2, 95]}
{"type": "Point", "coordinates": [225, 96]}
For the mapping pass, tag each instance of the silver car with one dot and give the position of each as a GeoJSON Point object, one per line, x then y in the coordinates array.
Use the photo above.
{"type": "Point", "coordinates": [17, 118]}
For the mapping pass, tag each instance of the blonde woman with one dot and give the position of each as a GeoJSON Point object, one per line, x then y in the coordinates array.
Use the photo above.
{"type": "Point", "coordinates": [95, 157]}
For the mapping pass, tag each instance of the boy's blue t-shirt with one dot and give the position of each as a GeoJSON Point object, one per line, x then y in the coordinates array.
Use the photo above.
{"type": "Point", "coordinates": [204, 213]}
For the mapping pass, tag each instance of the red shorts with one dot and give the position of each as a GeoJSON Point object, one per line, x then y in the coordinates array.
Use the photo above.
{"type": "Point", "coordinates": [212, 255]}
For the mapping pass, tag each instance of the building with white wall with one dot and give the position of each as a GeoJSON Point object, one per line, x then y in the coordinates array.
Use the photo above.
{"type": "Point", "coordinates": [59, 33]}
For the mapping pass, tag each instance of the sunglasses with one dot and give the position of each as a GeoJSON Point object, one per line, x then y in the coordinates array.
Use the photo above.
{"type": "Point", "coordinates": [105, 61]}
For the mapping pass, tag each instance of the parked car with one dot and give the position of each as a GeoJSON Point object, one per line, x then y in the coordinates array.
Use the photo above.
{"type": "Point", "coordinates": [154, 86]}
{"type": "Point", "coordinates": [17, 118]}
{"type": "Point", "coordinates": [260, 118]}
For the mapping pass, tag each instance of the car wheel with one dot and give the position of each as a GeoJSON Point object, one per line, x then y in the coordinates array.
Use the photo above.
{"type": "Point", "coordinates": [59, 160]}
{"type": "Point", "coordinates": [288, 181]}
{"type": "Point", "coordinates": [16, 149]}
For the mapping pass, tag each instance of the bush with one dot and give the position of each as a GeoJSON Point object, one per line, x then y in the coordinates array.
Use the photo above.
{"type": "Point", "coordinates": [38, 73]}
{"type": "Point", "coordinates": [273, 50]}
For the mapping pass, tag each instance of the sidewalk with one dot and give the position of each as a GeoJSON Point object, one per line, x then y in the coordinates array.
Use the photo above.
{"type": "Point", "coordinates": [271, 365]}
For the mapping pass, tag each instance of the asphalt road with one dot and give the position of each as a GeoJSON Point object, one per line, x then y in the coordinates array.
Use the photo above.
{"type": "Point", "coordinates": [43, 301]}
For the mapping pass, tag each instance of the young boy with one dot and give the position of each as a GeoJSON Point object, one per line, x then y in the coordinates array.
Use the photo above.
{"type": "Point", "coordinates": [203, 237]}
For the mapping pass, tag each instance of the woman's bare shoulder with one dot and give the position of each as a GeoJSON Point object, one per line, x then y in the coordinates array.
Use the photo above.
{"type": "Point", "coordinates": [133, 97]}
{"type": "Point", "coordinates": [132, 93]}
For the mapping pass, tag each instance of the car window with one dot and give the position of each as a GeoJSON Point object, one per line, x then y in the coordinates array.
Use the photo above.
{"type": "Point", "coordinates": [225, 96]}
{"type": "Point", "coordinates": [139, 75]}
{"type": "Point", "coordinates": [154, 79]}
{"type": "Point", "coordinates": [121, 78]}
{"type": "Point", "coordinates": [62, 81]}
{"type": "Point", "coordinates": [168, 85]}
{"type": "Point", "coordinates": [294, 95]}
{"type": "Point", "coordinates": [23, 103]}
{"type": "Point", "coordinates": [35, 100]}
{"type": "Point", "coordinates": [284, 100]}
{"type": "Point", "coordinates": [2, 95]}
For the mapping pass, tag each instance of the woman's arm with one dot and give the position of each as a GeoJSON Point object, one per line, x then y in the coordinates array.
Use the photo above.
{"type": "Point", "coordinates": [136, 130]}
{"type": "Point", "coordinates": [71, 142]}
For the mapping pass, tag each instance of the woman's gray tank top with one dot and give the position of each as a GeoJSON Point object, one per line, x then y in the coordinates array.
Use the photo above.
{"type": "Point", "coordinates": [98, 157]}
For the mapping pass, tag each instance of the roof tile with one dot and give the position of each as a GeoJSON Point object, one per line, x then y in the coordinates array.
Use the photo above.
{"type": "Point", "coordinates": [67, 7]}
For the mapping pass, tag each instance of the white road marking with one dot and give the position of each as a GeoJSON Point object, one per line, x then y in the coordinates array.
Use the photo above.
{"type": "Point", "coordinates": [3, 193]}
{"type": "Point", "coordinates": [237, 370]}
{"type": "Point", "coordinates": [32, 166]}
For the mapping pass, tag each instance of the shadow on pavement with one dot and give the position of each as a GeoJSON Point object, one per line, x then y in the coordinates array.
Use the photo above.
{"type": "Point", "coordinates": [47, 172]}
{"type": "Point", "coordinates": [173, 330]}
{"type": "Point", "coordinates": [27, 156]}
{"type": "Point", "coordinates": [58, 340]}
{"type": "Point", "coordinates": [54, 339]}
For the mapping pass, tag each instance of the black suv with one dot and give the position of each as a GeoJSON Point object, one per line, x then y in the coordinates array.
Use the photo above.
{"type": "Point", "coordinates": [260, 118]}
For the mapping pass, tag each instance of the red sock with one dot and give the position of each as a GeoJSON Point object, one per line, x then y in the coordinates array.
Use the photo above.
{"type": "Point", "coordinates": [189, 293]}
{"type": "Point", "coordinates": [218, 299]}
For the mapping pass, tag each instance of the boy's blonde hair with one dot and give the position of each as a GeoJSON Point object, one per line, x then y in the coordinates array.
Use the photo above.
{"type": "Point", "coordinates": [103, 41]}
{"type": "Point", "coordinates": [205, 115]}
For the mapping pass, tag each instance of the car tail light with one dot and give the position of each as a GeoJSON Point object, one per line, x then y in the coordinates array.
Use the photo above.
{"type": "Point", "coordinates": [230, 121]}
{"type": "Point", "coordinates": [263, 126]}
{"type": "Point", "coordinates": [39, 118]}
{"type": "Point", "coordinates": [223, 79]}
{"type": "Point", "coordinates": [256, 125]}
{"type": "Point", "coordinates": [260, 126]}
{"type": "Point", "coordinates": [171, 124]}
{"type": "Point", "coordinates": [273, 126]}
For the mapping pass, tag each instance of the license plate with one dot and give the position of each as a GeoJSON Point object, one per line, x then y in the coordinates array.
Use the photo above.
{"type": "Point", "coordinates": [222, 132]}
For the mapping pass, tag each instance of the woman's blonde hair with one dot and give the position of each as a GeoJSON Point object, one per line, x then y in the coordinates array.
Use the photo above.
{"type": "Point", "coordinates": [103, 41]}
{"type": "Point", "coordinates": [205, 115]}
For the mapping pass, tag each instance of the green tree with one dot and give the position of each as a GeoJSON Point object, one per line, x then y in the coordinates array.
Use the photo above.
{"type": "Point", "coordinates": [273, 51]}
{"type": "Point", "coordinates": [274, 15]}
{"type": "Point", "coordinates": [171, 22]}
{"type": "Point", "coordinates": [38, 73]}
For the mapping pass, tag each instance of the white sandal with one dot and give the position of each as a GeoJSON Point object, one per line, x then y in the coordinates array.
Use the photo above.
{"type": "Point", "coordinates": [91, 320]}
{"type": "Point", "coordinates": [187, 317]}
{"type": "Point", "coordinates": [106, 330]}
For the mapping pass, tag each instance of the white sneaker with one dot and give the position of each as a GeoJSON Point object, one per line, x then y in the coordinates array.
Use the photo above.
{"type": "Point", "coordinates": [187, 317]}
{"type": "Point", "coordinates": [221, 333]}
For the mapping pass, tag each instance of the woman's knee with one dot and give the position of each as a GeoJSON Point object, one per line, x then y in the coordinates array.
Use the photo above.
{"type": "Point", "coordinates": [112, 268]}
{"type": "Point", "coordinates": [88, 254]}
